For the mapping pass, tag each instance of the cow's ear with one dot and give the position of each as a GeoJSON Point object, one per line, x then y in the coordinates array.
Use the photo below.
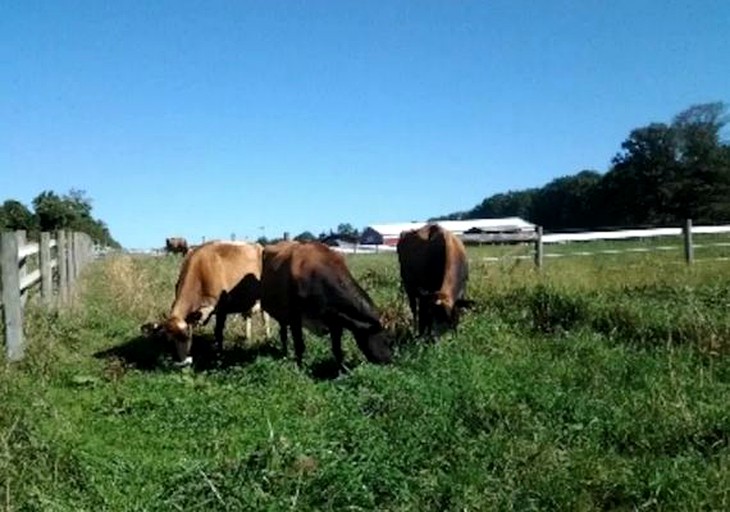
{"type": "Point", "coordinates": [151, 328]}
{"type": "Point", "coordinates": [465, 303]}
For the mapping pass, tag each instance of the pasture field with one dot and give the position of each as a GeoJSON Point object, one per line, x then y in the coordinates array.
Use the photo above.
{"type": "Point", "coordinates": [601, 383]}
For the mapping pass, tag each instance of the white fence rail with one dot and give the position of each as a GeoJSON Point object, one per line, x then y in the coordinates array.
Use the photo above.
{"type": "Point", "coordinates": [629, 233]}
{"type": "Point", "coordinates": [540, 240]}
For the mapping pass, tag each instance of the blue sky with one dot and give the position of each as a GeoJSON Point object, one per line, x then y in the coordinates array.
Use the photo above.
{"type": "Point", "coordinates": [210, 118]}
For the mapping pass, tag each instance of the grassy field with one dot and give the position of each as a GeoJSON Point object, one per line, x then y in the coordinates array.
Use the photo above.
{"type": "Point", "coordinates": [600, 384]}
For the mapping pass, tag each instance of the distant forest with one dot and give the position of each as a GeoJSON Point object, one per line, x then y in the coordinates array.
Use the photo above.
{"type": "Point", "coordinates": [664, 173]}
{"type": "Point", "coordinates": [51, 212]}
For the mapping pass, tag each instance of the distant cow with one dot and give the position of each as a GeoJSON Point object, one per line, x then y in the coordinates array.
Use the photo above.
{"type": "Point", "coordinates": [176, 245]}
{"type": "Point", "coordinates": [216, 278]}
{"type": "Point", "coordinates": [434, 271]}
{"type": "Point", "coordinates": [309, 285]}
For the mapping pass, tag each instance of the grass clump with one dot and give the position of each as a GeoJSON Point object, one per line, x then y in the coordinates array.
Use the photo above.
{"type": "Point", "coordinates": [596, 384]}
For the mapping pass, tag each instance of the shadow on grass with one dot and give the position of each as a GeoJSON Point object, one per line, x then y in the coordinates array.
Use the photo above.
{"type": "Point", "coordinates": [153, 354]}
{"type": "Point", "coordinates": [150, 353]}
{"type": "Point", "coordinates": [328, 369]}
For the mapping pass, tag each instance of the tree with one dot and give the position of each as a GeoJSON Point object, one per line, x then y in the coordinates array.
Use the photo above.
{"type": "Point", "coordinates": [514, 203]}
{"type": "Point", "coordinates": [702, 186]}
{"type": "Point", "coordinates": [346, 230]}
{"type": "Point", "coordinates": [53, 212]}
{"type": "Point", "coordinates": [305, 236]}
{"type": "Point", "coordinates": [72, 211]}
{"type": "Point", "coordinates": [638, 188]}
{"type": "Point", "coordinates": [566, 202]}
{"type": "Point", "coordinates": [16, 216]}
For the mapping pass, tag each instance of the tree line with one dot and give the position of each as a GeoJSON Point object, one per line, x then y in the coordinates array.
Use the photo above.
{"type": "Point", "coordinates": [664, 173]}
{"type": "Point", "coordinates": [52, 212]}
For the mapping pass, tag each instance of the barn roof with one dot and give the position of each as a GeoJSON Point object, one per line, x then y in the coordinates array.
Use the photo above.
{"type": "Point", "coordinates": [458, 226]}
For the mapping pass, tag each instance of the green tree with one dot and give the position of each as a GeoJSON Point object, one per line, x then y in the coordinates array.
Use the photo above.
{"type": "Point", "coordinates": [638, 188]}
{"type": "Point", "coordinates": [15, 216]}
{"type": "Point", "coordinates": [346, 230]}
{"type": "Point", "coordinates": [566, 202]}
{"type": "Point", "coordinates": [305, 236]}
{"type": "Point", "coordinates": [702, 185]}
{"type": "Point", "coordinates": [53, 212]}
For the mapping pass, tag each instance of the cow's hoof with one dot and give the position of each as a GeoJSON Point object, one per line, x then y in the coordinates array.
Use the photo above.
{"type": "Point", "coordinates": [188, 361]}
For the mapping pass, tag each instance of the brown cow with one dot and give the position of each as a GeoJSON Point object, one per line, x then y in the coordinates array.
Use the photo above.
{"type": "Point", "coordinates": [176, 245]}
{"type": "Point", "coordinates": [216, 278]}
{"type": "Point", "coordinates": [309, 285]}
{"type": "Point", "coordinates": [434, 271]}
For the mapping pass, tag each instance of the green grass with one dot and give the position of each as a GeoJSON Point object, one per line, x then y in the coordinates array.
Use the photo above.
{"type": "Point", "coordinates": [601, 383]}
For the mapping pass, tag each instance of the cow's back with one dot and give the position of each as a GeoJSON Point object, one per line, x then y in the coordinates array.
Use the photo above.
{"type": "Point", "coordinates": [314, 279]}
{"type": "Point", "coordinates": [217, 267]}
{"type": "Point", "coordinates": [422, 258]}
{"type": "Point", "coordinates": [276, 279]}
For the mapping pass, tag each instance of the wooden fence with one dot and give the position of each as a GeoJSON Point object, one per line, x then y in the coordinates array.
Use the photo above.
{"type": "Point", "coordinates": [59, 262]}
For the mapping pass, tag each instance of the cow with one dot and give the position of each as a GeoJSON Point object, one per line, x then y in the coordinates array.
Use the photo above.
{"type": "Point", "coordinates": [218, 278]}
{"type": "Point", "coordinates": [434, 271]}
{"type": "Point", "coordinates": [306, 284]}
{"type": "Point", "coordinates": [176, 245]}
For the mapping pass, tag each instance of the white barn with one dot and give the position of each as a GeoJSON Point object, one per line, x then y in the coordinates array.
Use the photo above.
{"type": "Point", "coordinates": [388, 234]}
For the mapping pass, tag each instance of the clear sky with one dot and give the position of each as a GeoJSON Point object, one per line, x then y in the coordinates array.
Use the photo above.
{"type": "Point", "coordinates": [209, 118]}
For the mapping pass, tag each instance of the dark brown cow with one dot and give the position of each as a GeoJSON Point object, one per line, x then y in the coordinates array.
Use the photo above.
{"type": "Point", "coordinates": [176, 245]}
{"type": "Point", "coordinates": [216, 278]}
{"type": "Point", "coordinates": [434, 271]}
{"type": "Point", "coordinates": [309, 285]}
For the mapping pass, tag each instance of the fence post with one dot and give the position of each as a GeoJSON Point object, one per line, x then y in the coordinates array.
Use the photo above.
{"type": "Point", "coordinates": [70, 261]}
{"type": "Point", "coordinates": [21, 237]}
{"type": "Point", "coordinates": [12, 306]}
{"type": "Point", "coordinates": [689, 253]}
{"type": "Point", "coordinates": [44, 256]}
{"type": "Point", "coordinates": [538, 247]}
{"type": "Point", "coordinates": [62, 266]}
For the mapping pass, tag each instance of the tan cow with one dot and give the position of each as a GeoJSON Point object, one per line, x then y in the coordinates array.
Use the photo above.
{"type": "Point", "coordinates": [434, 271]}
{"type": "Point", "coordinates": [216, 278]}
{"type": "Point", "coordinates": [176, 245]}
{"type": "Point", "coordinates": [309, 285]}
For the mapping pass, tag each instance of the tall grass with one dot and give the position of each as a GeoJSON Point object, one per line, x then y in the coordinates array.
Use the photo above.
{"type": "Point", "coordinates": [600, 383]}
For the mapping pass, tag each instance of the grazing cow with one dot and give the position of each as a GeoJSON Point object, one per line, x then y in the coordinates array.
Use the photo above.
{"type": "Point", "coordinates": [176, 245]}
{"type": "Point", "coordinates": [216, 278]}
{"type": "Point", "coordinates": [309, 285]}
{"type": "Point", "coordinates": [434, 271]}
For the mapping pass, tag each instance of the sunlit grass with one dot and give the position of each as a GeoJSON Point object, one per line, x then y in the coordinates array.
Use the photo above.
{"type": "Point", "coordinates": [600, 382]}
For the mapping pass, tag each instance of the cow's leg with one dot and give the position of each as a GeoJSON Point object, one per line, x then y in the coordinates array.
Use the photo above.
{"type": "Point", "coordinates": [336, 336]}
{"type": "Point", "coordinates": [422, 317]}
{"type": "Point", "coordinates": [298, 335]}
{"type": "Point", "coordinates": [220, 323]}
{"type": "Point", "coordinates": [267, 323]}
{"type": "Point", "coordinates": [282, 337]}
{"type": "Point", "coordinates": [413, 304]}
{"type": "Point", "coordinates": [249, 327]}
{"type": "Point", "coordinates": [205, 313]}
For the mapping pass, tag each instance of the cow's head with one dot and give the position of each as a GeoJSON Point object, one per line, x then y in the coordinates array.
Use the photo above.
{"type": "Point", "coordinates": [175, 330]}
{"type": "Point", "coordinates": [375, 344]}
{"type": "Point", "coordinates": [444, 310]}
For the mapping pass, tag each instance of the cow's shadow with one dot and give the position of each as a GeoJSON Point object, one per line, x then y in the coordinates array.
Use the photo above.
{"type": "Point", "coordinates": [328, 369]}
{"type": "Point", "coordinates": [151, 354]}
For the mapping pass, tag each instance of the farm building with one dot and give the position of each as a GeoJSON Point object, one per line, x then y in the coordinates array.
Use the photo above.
{"type": "Point", "coordinates": [470, 231]}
